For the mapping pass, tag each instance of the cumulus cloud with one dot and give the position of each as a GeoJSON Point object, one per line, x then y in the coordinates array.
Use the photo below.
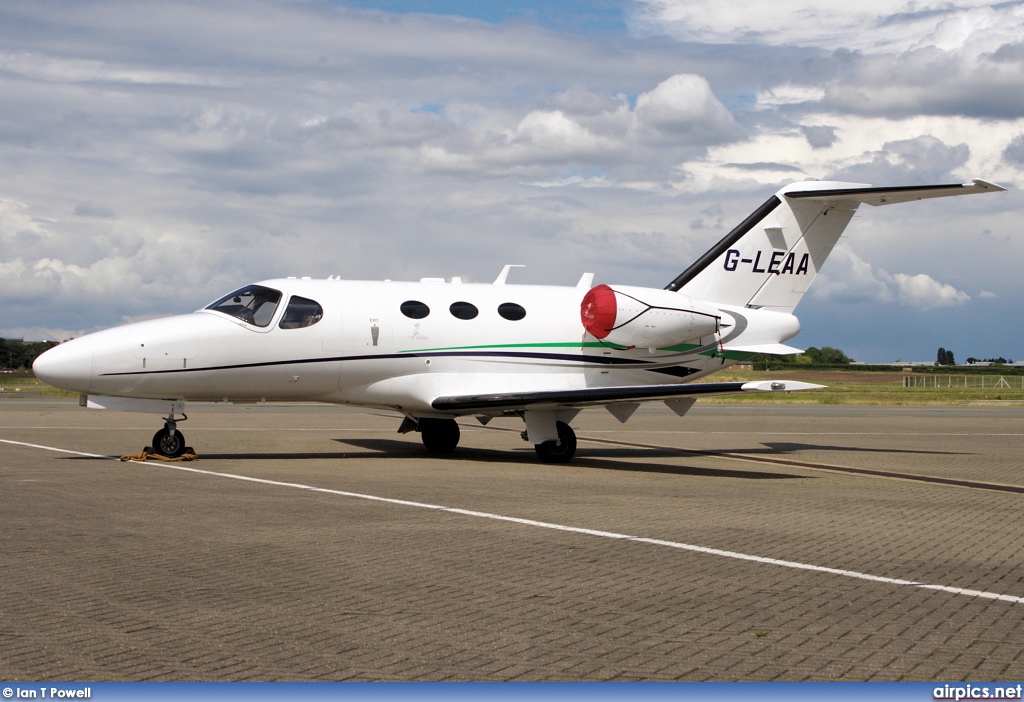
{"type": "Point", "coordinates": [924, 292]}
{"type": "Point", "coordinates": [925, 159]}
{"type": "Point", "coordinates": [848, 278]}
{"type": "Point", "coordinates": [871, 26]}
{"type": "Point", "coordinates": [818, 136]}
{"type": "Point", "coordinates": [684, 107]}
{"type": "Point", "coordinates": [678, 117]}
{"type": "Point", "coordinates": [1014, 153]}
{"type": "Point", "coordinates": [543, 135]}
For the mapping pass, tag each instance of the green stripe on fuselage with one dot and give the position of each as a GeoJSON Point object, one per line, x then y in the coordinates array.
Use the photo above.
{"type": "Point", "coordinates": [678, 348]}
{"type": "Point", "coordinates": [547, 345]}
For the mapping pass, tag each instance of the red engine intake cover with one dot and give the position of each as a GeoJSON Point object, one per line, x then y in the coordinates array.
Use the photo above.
{"type": "Point", "coordinates": [598, 311]}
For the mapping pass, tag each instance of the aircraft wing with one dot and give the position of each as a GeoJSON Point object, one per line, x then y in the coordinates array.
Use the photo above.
{"type": "Point", "coordinates": [586, 397]}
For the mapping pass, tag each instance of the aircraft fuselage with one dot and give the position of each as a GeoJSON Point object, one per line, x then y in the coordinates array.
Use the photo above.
{"type": "Point", "coordinates": [384, 344]}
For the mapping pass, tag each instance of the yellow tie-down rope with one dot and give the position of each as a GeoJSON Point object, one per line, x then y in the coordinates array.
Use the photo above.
{"type": "Point", "coordinates": [160, 457]}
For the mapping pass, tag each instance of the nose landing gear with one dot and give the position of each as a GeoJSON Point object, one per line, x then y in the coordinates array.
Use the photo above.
{"type": "Point", "coordinates": [169, 441]}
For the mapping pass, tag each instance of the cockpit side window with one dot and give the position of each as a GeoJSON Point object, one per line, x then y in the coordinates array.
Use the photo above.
{"type": "Point", "coordinates": [301, 312]}
{"type": "Point", "coordinates": [253, 304]}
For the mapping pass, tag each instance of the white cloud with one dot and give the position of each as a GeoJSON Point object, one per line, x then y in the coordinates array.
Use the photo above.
{"type": "Point", "coordinates": [786, 94]}
{"type": "Point", "coordinates": [924, 292]}
{"type": "Point", "coordinates": [871, 26]}
{"type": "Point", "coordinates": [685, 107]}
{"type": "Point", "coordinates": [552, 135]}
{"type": "Point", "coordinates": [849, 278]}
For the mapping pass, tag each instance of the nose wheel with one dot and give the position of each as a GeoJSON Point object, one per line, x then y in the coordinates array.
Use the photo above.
{"type": "Point", "coordinates": [169, 442]}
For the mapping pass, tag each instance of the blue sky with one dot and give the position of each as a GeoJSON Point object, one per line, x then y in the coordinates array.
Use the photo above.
{"type": "Point", "coordinates": [157, 154]}
{"type": "Point", "coordinates": [571, 16]}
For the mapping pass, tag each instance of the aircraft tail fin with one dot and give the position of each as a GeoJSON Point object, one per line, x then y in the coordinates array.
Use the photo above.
{"type": "Point", "coordinates": [773, 256]}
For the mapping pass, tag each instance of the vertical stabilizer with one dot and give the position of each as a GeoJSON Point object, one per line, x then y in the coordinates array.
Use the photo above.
{"type": "Point", "coordinates": [773, 256]}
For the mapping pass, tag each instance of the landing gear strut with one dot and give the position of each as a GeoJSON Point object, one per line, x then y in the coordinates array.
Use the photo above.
{"type": "Point", "coordinates": [439, 435]}
{"type": "Point", "coordinates": [169, 441]}
{"type": "Point", "coordinates": [560, 451]}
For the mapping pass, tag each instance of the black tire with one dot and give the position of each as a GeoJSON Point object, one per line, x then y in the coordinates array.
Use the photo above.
{"type": "Point", "coordinates": [439, 435]}
{"type": "Point", "coordinates": [167, 444]}
{"type": "Point", "coordinates": [560, 451]}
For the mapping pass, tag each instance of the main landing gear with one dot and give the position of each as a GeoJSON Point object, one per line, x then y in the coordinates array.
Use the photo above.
{"type": "Point", "coordinates": [439, 435]}
{"type": "Point", "coordinates": [560, 451]}
{"type": "Point", "coordinates": [169, 441]}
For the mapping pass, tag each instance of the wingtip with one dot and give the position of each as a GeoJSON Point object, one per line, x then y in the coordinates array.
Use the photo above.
{"type": "Point", "coordinates": [780, 386]}
{"type": "Point", "coordinates": [985, 185]}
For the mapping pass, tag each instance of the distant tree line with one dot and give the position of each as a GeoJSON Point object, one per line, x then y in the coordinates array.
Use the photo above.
{"type": "Point", "coordinates": [18, 355]}
{"type": "Point", "coordinates": [945, 358]}
{"type": "Point", "coordinates": [813, 356]}
{"type": "Point", "coordinates": [832, 357]}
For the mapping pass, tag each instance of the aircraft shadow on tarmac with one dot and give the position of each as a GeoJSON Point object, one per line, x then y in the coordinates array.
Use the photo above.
{"type": "Point", "coordinates": [602, 458]}
{"type": "Point", "coordinates": [776, 447]}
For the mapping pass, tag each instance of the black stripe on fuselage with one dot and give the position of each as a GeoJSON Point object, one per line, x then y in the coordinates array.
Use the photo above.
{"type": "Point", "coordinates": [574, 358]}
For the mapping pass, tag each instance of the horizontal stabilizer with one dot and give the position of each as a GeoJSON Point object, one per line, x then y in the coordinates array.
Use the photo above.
{"type": "Point", "coordinates": [894, 195]}
{"type": "Point", "coordinates": [584, 397]}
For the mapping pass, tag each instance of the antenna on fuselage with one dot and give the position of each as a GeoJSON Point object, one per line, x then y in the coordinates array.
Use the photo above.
{"type": "Point", "coordinates": [503, 276]}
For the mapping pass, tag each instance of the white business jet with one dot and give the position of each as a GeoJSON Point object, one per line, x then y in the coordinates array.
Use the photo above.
{"type": "Point", "coordinates": [433, 351]}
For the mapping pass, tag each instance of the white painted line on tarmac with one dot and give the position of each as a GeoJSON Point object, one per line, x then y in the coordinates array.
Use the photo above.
{"type": "Point", "coordinates": [735, 555]}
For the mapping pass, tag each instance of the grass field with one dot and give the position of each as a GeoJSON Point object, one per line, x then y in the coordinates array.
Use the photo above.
{"type": "Point", "coordinates": [874, 388]}
{"type": "Point", "coordinates": [844, 388]}
{"type": "Point", "coordinates": [23, 382]}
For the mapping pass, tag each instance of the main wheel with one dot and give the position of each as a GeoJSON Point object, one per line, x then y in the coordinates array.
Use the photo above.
{"type": "Point", "coordinates": [439, 435]}
{"type": "Point", "coordinates": [560, 451]}
{"type": "Point", "coordinates": [167, 444]}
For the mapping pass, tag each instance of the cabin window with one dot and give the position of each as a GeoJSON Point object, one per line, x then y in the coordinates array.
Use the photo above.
{"type": "Point", "coordinates": [301, 312]}
{"type": "Point", "coordinates": [463, 310]}
{"type": "Point", "coordinates": [414, 309]}
{"type": "Point", "coordinates": [511, 311]}
{"type": "Point", "coordinates": [253, 304]}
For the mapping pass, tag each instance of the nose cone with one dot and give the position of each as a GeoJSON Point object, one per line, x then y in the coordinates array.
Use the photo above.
{"type": "Point", "coordinates": [68, 367]}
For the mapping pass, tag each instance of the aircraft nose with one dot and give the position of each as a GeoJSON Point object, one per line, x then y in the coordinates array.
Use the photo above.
{"type": "Point", "coordinates": [68, 367]}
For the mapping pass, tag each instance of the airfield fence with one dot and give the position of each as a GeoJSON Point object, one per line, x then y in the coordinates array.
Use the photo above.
{"type": "Point", "coordinates": [962, 381]}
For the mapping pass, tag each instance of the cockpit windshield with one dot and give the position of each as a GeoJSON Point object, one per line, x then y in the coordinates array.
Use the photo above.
{"type": "Point", "coordinates": [253, 304]}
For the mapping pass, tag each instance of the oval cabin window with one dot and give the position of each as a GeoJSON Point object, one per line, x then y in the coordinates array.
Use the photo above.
{"type": "Point", "coordinates": [414, 309]}
{"type": "Point", "coordinates": [511, 311]}
{"type": "Point", "coordinates": [464, 310]}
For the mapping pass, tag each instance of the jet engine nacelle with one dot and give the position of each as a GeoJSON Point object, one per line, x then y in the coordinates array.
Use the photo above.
{"type": "Point", "coordinates": [646, 317]}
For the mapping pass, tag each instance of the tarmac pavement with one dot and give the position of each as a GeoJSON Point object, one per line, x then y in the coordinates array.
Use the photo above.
{"type": "Point", "coordinates": [741, 542]}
